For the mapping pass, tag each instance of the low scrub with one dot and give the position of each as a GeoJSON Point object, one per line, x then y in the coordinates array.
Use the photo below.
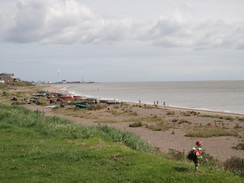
{"type": "Point", "coordinates": [160, 126]}
{"type": "Point", "coordinates": [170, 113]}
{"type": "Point", "coordinates": [235, 165]}
{"type": "Point", "coordinates": [182, 156]}
{"type": "Point", "coordinates": [206, 132]}
{"type": "Point", "coordinates": [136, 124]}
{"type": "Point", "coordinates": [229, 118]}
{"type": "Point", "coordinates": [239, 146]}
{"type": "Point", "coordinates": [184, 121]}
{"type": "Point", "coordinates": [21, 83]}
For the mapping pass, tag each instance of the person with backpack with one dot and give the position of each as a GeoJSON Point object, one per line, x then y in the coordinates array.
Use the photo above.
{"type": "Point", "coordinates": [196, 153]}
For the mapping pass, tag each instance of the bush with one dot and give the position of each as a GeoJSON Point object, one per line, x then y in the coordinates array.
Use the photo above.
{"type": "Point", "coordinates": [176, 155]}
{"type": "Point", "coordinates": [170, 113]}
{"type": "Point", "coordinates": [235, 165]}
{"type": "Point", "coordinates": [5, 94]}
{"type": "Point", "coordinates": [239, 147]}
{"type": "Point", "coordinates": [209, 160]}
{"type": "Point", "coordinates": [136, 124]}
{"type": "Point", "coordinates": [184, 121]}
{"type": "Point", "coordinates": [161, 126]}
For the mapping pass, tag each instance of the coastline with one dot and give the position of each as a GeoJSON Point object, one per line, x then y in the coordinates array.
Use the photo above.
{"type": "Point", "coordinates": [217, 96]}
{"type": "Point", "coordinates": [173, 138]}
{"type": "Point", "coordinates": [60, 89]}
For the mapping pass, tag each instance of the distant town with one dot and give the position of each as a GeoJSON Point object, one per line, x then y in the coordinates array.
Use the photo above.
{"type": "Point", "coordinates": [9, 78]}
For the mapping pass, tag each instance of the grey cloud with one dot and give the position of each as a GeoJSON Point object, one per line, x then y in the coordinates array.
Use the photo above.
{"type": "Point", "coordinates": [69, 22]}
{"type": "Point", "coordinates": [51, 22]}
{"type": "Point", "coordinates": [198, 35]}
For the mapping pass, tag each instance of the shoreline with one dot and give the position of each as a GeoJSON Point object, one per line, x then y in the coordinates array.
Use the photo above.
{"type": "Point", "coordinates": [173, 138]}
{"type": "Point", "coordinates": [66, 91]}
{"type": "Point", "coordinates": [217, 96]}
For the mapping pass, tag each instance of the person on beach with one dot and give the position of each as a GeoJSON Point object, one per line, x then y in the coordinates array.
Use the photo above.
{"type": "Point", "coordinates": [195, 154]}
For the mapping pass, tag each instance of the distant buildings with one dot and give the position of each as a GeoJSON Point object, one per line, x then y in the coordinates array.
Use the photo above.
{"type": "Point", "coordinates": [7, 78]}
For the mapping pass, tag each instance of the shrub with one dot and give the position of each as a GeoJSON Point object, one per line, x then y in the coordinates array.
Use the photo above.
{"type": "Point", "coordinates": [239, 147]}
{"type": "Point", "coordinates": [235, 165]}
{"type": "Point", "coordinates": [228, 118]}
{"type": "Point", "coordinates": [159, 126]}
{"type": "Point", "coordinates": [170, 113]}
{"type": "Point", "coordinates": [184, 121]}
{"type": "Point", "coordinates": [209, 160]}
{"type": "Point", "coordinates": [176, 155]}
{"type": "Point", "coordinates": [240, 119]}
{"type": "Point", "coordinates": [5, 94]}
{"type": "Point", "coordinates": [136, 124]}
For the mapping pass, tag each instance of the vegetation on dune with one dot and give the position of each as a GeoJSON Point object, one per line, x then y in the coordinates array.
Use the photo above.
{"type": "Point", "coordinates": [206, 132]}
{"type": "Point", "coordinates": [229, 118]}
{"type": "Point", "coordinates": [50, 149]}
{"type": "Point", "coordinates": [20, 83]}
{"type": "Point", "coordinates": [240, 146]}
{"type": "Point", "coordinates": [53, 126]}
{"type": "Point", "coordinates": [160, 126]}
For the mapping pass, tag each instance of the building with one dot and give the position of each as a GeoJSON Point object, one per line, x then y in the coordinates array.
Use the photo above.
{"type": "Point", "coordinates": [7, 78]}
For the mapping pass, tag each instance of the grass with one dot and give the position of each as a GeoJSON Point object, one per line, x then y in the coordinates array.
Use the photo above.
{"type": "Point", "coordinates": [184, 121]}
{"type": "Point", "coordinates": [22, 83]}
{"type": "Point", "coordinates": [240, 146]}
{"type": "Point", "coordinates": [49, 149]}
{"type": "Point", "coordinates": [170, 113]}
{"type": "Point", "coordinates": [206, 132]}
{"type": "Point", "coordinates": [160, 126]}
{"type": "Point", "coordinates": [229, 118]}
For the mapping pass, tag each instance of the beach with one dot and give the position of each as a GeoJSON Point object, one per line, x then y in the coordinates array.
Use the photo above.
{"type": "Point", "coordinates": [180, 121]}
{"type": "Point", "coordinates": [164, 127]}
{"type": "Point", "coordinates": [221, 96]}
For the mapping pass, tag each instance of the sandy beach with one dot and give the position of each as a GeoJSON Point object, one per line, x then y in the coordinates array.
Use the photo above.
{"type": "Point", "coordinates": [179, 123]}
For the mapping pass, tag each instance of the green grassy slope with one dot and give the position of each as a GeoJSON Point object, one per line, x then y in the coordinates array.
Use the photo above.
{"type": "Point", "coordinates": [35, 148]}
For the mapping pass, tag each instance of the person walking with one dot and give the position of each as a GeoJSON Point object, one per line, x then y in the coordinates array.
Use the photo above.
{"type": "Point", "coordinates": [196, 154]}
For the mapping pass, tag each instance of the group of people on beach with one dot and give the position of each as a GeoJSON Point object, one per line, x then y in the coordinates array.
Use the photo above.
{"type": "Point", "coordinates": [156, 103]}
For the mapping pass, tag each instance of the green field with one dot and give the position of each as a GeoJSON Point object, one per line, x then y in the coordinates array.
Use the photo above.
{"type": "Point", "coordinates": [35, 148]}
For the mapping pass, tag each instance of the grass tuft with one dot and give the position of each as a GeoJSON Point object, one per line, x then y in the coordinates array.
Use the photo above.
{"type": "Point", "coordinates": [136, 124]}
{"type": "Point", "coordinates": [206, 132]}
{"type": "Point", "coordinates": [239, 146]}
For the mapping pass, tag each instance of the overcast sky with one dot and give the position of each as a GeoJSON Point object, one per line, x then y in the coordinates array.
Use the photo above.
{"type": "Point", "coordinates": [122, 40]}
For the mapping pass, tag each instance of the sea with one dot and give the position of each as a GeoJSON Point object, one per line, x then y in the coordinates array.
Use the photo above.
{"type": "Point", "coordinates": [220, 96]}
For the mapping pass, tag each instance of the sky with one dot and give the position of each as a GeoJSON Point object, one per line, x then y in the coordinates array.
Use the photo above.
{"type": "Point", "coordinates": [122, 40]}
